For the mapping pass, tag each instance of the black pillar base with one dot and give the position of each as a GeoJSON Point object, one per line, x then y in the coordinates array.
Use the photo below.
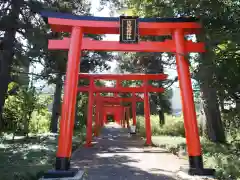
{"type": "Point", "coordinates": [198, 172]}
{"type": "Point", "coordinates": [62, 163]}
{"type": "Point", "coordinates": [196, 167]}
{"type": "Point", "coordinates": [201, 172]}
{"type": "Point", "coordinates": [60, 174]}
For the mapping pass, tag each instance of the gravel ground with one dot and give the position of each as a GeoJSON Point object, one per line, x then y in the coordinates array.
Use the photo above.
{"type": "Point", "coordinates": [118, 156]}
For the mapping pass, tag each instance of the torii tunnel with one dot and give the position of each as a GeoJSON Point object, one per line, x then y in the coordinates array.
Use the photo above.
{"type": "Point", "coordinates": [77, 26]}
{"type": "Point", "coordinates": [111, 106]}
{"type": "Point", "coordinates": [145, 88]}
{"type": "Point", "coordinates": [121, 113]}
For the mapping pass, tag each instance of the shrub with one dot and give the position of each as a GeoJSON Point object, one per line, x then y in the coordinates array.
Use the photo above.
{"type": "Point", "coordinates": [26, 111]}
{"type": "Point", "coordinates": [222, 157]}
{"type": "Point", "coordinates": [174, 126]}
{"type": "Point", "coordinates": [39, 122]}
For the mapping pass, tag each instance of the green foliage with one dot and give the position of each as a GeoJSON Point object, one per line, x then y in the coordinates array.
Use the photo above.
{"type": "Point", "coordinates": [82, 104]}
{"type": "Point", "coordinates": [231, 121]}
{"type": "Point", "coordinates": [173, 126]}
{"type": "Point", "coordinates": [39, 122]}
{"type": "Point", "coordinates": [23, 159]}
{"type": "Point", "coordinates": [81, 113]}
{"type": "Point", "coordinates": [30, 46]}
{"type": "Point", "coordinates": [222, 157]}
{"type": "Point", "coordinates": [26, 111]}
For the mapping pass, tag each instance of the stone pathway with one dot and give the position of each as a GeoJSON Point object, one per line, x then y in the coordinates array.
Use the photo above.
{"type": "Point", "coordinates": [117, 156]}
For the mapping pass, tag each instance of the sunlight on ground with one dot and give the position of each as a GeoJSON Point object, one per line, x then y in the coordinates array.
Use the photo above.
{"type": "Point", "coordinates": [29, 156]}
{"type": "Point", "coordinates": [105, 155]}
{"type": "Point", "coordinates": [113, 125]}
{"type": "Point", "coordinates": [26, 156]}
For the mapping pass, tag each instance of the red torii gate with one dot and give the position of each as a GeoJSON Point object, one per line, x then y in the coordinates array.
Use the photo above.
{"type": "Point", "coordinates": [99, 112]}
{"type": "Point", "coordinates": [79, 25]}
{"type": "Point", "coordinates": [119, 78]}
{"type": "Point", "coordinates": [145, 88]}
{"type": "Point", "coordinates": [112, 110]}
{"type": "Point", "coordinates": [121, 115]}
{"type": "Point", "coordinates": [118, 100]}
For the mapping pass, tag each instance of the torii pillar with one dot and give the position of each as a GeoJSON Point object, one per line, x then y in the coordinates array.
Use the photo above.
{"type": "Point", "coordinates": [134, 108]}
{"type": "Point", "coordinates": [69, 101]}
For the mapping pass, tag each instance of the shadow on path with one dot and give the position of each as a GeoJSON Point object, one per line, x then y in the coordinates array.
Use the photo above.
{"type": "Point", "coordinates": [117, 156]}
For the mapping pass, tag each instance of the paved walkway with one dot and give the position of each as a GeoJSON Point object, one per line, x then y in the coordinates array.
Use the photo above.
{"type": "Point", "coordinates": [117, 156]}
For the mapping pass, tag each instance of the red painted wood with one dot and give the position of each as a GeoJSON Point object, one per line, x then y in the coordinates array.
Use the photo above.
{"type": "Point", "coordinates": [90, 114]}
{"type": "Point", "coordinates": [124, 117]}
{"type": "Point", "coordinates": [190, 119]}
{"type": "Point", "coordinates": [122, 89]}
{"type": "Point", "coordinates": [97, 116]}
{"type": "Point", "coordinates": [143, 46]}
{"type": "Point", "coordinates": [128, 117]}
{"type": "Point", "coordinates": [112, 110]}
{"type": "Point", "coordinates": [134, 108]}
{"type": "Point", "coordinates": [118, 99]}
{"type": "Point", "coordinates": [118, 84]}
{"type": "Point", "coordinates": [69, 99]}
{"type": "Point", "coordinates": [101, 27]}
{"type": "Point", "coordinates": [122, 77]}
{"type": "Point", "coordinates": [101, 113]}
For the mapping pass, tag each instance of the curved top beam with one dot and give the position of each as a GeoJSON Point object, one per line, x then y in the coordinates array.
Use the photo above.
{"type": "Point", "coordinates": [62, 22]}
{"type": "Point", "coordinates": [48, 14]}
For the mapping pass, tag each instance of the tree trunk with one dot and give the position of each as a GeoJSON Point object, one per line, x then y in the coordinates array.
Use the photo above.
{"type": "Point", "coordinates": [161, 117]}
{"type": "Point", "coordinates": [7, 53]}
{"type": "Point", "coordinates": [214, 125]}
{"type": "Point", "coordinates": [24, 79]}
{"type": "Point", "coordinates": [157, 107]}
{"type": "Point", "coordinates": [56, 104]}
{"type": "Point", "coordinates": [160, 107]}
{"type": "Point", "coordinates": [221, 102]}
{"type": "Point", "coordinates": [202, 118]}
{"type": "Point", "coordinates": [238, 105]}
{"type": "Point", "coordinates": [205, 75]}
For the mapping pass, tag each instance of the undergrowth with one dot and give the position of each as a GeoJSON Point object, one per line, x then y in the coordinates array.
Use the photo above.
{"type": "Point", "coordinates": [28, 158]}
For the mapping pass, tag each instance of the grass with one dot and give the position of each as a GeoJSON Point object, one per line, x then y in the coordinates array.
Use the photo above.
{"type": "Point", "coordinates": [26, 159]}
{"type": "Point", "coordinates": [173, 126]}
{"type": "Point", "coordinates": [225, 158]}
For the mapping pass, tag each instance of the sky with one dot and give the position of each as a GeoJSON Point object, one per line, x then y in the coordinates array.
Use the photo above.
{"type": "Point", "coordinates": [108, 37]}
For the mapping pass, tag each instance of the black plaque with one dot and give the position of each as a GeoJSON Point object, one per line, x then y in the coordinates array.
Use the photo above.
{"type": "Point", "coordinates": [128, 29]}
